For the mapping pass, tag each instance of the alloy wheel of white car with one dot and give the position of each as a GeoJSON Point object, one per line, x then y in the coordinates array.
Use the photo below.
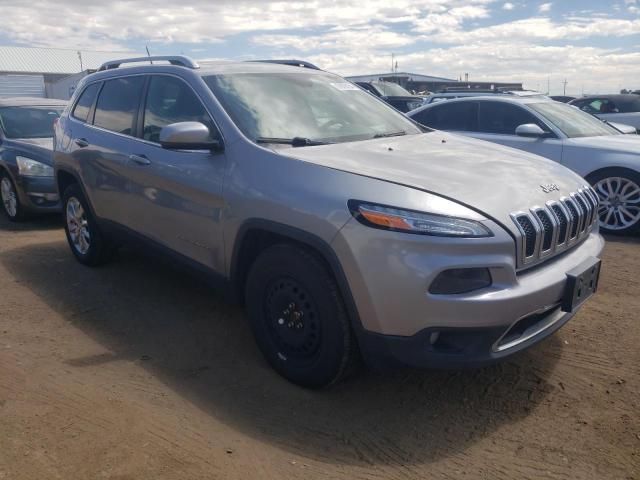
{"type": "Point", "coordinates": [619, 203]}
{"type": "Point", "coordinates": [9, 197]}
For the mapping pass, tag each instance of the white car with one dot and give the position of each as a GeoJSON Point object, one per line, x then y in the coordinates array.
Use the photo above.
{"type": "Point", "coordinates": [609, 160]}
{"type": "Point", "coordinates": [623, 108]}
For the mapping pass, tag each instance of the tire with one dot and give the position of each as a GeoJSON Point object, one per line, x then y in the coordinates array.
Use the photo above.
{"type": "Point", "coordinates": [11, 205]}
{"type": "Point", "coordinates": [298, 317]}
{"type": "Point", "coordinates": [87, 242]}
{"type": "Point", "coordinates": [618, 190]}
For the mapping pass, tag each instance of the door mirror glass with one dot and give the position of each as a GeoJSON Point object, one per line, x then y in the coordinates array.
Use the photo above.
{"type": "Point", "coordinates": [187, 136]}
{"type": "Point", "coordinates": [530, 130]}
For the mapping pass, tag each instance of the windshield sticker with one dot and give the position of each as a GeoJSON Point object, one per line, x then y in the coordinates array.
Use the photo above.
{"type": "Point", "coordinates": [345, 86]}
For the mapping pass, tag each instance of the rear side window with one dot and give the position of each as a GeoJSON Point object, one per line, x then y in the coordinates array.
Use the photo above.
{"type": "Point", "coordinates": [170, 100]}
{"type": "Point", "coordinates": [502, 118]}
{"type": "Point", "coordinates": [118, 103]}
{"type": "Point", "coordinates": [630, 104]}
{"type": "Point", "coordinates": [85, 102]}
{"type": "Point", "coordinates": [449, 116]}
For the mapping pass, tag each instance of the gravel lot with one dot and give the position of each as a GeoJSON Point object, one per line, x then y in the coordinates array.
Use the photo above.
{"type": "Point", "coordinates": [139, 371]}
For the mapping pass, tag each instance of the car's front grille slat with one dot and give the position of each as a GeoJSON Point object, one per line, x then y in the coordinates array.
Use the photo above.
{"type": "Point", "coordinates": [556, 226]}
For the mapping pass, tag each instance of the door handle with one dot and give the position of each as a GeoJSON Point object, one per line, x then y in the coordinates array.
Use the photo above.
{"type": "Point", "coordinates": [82, 142]}
{"type": "Point", "coordinates": [140, 159]}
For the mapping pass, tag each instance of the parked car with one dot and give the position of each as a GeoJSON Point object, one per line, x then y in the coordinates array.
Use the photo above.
{"type": "Point", "coordinates": [608, 160]}
{"type": "Point", "coordinates": [26, 164]}
{"type": "Point", "coordinates": [393, 94]}
{"type": "Point", "coordinates": [562, 98]}
{"type": "Point", "coordinates": [344, 227]}
{"type": "Point", "coordinates": [616, 108]}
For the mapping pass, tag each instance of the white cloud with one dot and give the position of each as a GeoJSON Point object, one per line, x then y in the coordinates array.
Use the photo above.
{"type": "Point", "coordinates": [545, 7]}
{"type": "Point", "coordinates": [376, 37]}
{"type": "Point", "coordinates": [440, 37]}
{"type": "Point", "coordinates": [69, 23]}
{"type": "Point", "coordinates": [541, 28]}
{"type": "Point", "coordinates": [594, 69]}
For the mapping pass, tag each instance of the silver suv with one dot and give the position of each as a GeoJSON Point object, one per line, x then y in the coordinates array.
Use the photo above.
{"type": "Point", "coordinates": [346, 228]}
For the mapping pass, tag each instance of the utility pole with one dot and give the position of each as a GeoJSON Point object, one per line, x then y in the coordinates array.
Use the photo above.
{"type": "Point", "coordinates": [565, 86]}
{"type": "Point", "coordinates": [548, 85]}
{"type": "Point", "coordinates": [80, 58]}
{"type": "Point", "coordinates": [392, 61]}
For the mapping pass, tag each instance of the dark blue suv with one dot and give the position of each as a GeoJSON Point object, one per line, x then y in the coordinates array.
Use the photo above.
{"type": "Point", "coordinates": [26, 149]}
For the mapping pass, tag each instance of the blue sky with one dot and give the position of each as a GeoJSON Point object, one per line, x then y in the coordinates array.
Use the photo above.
{"type": "Point", "coordinates": [594, 45]}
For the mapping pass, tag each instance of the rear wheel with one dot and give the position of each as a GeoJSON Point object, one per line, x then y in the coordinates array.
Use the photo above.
{"type": "Point", "coordinates": [87, 242]}
{"type": "Point", "coordinates": [10, 201]}
{"type": "Point", "coordinates": [619, 194]}
{"type": "Point", "coordinates": [298, 317]}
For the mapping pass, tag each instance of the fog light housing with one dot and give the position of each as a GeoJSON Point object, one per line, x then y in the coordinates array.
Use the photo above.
{"type": "Point", "coordinates": [460, 280]}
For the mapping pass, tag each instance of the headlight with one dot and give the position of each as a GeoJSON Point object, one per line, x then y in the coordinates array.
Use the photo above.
{"type": "Point", "coordinates": [28, 167]}
{"type": "Point", "coordinates": [409, 221]}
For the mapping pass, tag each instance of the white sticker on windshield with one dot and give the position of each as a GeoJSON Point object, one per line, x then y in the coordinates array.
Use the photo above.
{"type": "Point", "coordinates": [345, 86]}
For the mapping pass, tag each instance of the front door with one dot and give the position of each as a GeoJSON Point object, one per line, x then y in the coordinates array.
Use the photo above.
{"type": "Point", "coordinates": [176, 195]}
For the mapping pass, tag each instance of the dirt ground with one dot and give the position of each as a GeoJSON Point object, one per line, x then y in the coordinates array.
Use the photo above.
{"type": "Point", "coordinates": [138, 371]}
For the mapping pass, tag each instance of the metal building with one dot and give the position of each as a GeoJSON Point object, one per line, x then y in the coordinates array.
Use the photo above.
{"type": "Point", "coordinates": [32, 72]}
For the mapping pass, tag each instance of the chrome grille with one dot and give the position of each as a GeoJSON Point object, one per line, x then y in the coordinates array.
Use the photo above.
{"type": "Point", "coordinates": [555, 227]}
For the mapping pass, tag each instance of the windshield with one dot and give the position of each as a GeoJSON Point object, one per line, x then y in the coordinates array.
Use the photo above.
{"type": "Point", "coordinates": [28, 122]}
{"type": "Point", "coordinates": [390, 89]}
{"type": "Point", "coordinates": [318, 107]}
{"type": "Point", "coordinates": [571, 121]}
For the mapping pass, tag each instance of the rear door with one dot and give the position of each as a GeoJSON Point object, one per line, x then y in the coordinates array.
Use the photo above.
{"type": "Point", "coordinates": [460, 117]}
{"type": "Point", "coordinates": [497, 122]}
{"type": "Point", "coordinates": [102, 137]}
{"type": "Point", "coordinates": [176, 195]}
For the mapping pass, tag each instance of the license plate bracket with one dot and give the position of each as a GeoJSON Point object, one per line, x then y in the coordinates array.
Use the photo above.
{"type": "Point", "coordinates": [582, 282]}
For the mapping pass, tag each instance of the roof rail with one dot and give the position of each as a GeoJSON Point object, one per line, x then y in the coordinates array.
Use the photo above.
{"type": "Point", "coordinates": [467, 90]}
{"type": "Point", "coordinates": [179, 60]}
{"type": "Point", "coordinates": [293, 63]}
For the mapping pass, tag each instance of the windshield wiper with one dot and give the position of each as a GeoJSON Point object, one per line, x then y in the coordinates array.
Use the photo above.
{"type": "Point", "coordinates": [390, 134]}
{"type": "Point", "coordinates": [294, 142]}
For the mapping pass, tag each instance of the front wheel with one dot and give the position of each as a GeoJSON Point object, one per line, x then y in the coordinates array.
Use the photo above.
{"type": "Point", "coordinates": [619, 194]}
{"type": "Point", "coordinates": [87, 243]}
{"type": "Point", "coordinates": [298, 317]}
{"type": "Point", "coordinates": [10, 201]}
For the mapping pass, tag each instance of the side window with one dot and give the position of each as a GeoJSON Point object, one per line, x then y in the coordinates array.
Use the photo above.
{"type": "Point", "coordinates": [608, 106]}
{"type": "Point", "coordinates": [118, 103]}
{"type": "Point", "coordinates": [503, 118]}
{"type": "Point", "coordinates": [85, 102]}
{"type": "Point", "coordinates": [460, 116]}
{"type": "Point", "coordinates": [170, 100]}
{"type": "Point", "coordinates": [592, 106]}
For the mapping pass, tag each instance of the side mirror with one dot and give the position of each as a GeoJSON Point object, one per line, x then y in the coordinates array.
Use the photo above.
{"type": "Point", "coordinates": [188, 136]}
{"type": "Point", "coordinates": [530, 130]}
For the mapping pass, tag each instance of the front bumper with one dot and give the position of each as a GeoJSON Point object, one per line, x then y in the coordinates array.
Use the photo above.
{"type": "Point", "coordinates": [390, 274]}
{"type": "Point", "coordinates": [38, 194]}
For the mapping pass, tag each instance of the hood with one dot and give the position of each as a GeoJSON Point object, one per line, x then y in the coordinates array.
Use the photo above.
{"type": "Point", "coordinates": [609, 143]}
{"type": "Point", "coordinates": [40, 149]}
{"type": "Point", "coordinates": [493, 179]}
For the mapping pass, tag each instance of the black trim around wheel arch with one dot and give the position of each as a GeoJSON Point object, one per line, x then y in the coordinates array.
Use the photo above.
{"type": "Point", "coordinates": [305, 238]}
{"type": "Point", "coordinates": [75, 175]}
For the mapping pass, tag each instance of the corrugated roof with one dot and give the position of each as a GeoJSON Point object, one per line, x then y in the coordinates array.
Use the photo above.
{"type": "Point", "coordinates": [54, 60]}
{"type": "Point", "coordinates": [414, 77]}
